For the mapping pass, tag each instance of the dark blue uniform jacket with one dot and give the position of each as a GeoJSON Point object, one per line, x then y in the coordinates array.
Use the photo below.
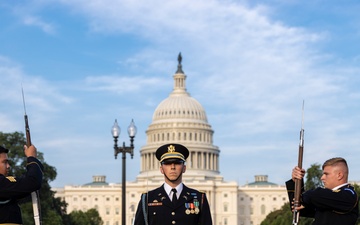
{"type": "Point", "coordinates": [326, 206]}
{"type": "Point", "coordinates": [192, 208]}
{"type": "Point", "coordinates": [12, 189]}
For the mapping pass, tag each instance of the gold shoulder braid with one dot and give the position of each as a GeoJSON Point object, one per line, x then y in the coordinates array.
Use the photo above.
{"type": "Point", "coordinates": [11, 178]}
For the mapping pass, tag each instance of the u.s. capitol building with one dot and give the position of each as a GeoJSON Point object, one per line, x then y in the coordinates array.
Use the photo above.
{"type": "Point", "coordinates": [180, 119]}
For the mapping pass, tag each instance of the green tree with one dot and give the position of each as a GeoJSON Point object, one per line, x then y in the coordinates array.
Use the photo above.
{"type": "Point", "coordinates": [49, 204]}
{"type": "Point", "coordinates": [313, 177]}
{"type": "Point", "coordinates": [53, 210]}
{"type": "Point", "coordinates": [282, 216]}
{"type": "Point", "coordinates": [90, 217]}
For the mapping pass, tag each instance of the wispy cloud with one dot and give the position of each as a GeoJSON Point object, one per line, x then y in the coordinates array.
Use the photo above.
{"type": "Point", "coordinates": [37, 22]}
{"type": "Point", "coordinates": [244, 62]}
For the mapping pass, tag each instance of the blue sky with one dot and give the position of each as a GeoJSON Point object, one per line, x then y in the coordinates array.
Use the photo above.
{"type": "Point", "coordinates": [83, 64]}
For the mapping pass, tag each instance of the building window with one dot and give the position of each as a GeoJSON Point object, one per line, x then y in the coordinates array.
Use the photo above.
{"type": "Point", "coordinates": [274, 198]}
{"type": "Point", "coordinates": [225, 195]}
{"type": "Point", "coordinates": [242, 210]}
{"type": "Point", "coordinates": [84, 199]}
{"type": "Point", "coordinates": [132, 208]}
{"type": "Point", "coordinates": [117, 211]}
{"type": "Point", "coordinates": [107, 199]}
{"type": "Point", "coordinates": [107, 211]}
{"type": "Point", "coordinates": [225, 207]}
{"type": "Point", "coordinates": [117, 199]}
{"type": "Point", "coordinates": [262, 209]}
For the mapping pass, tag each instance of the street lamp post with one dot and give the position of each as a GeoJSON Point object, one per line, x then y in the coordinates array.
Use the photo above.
{"type": "Point", "coordinates": [124, 149]}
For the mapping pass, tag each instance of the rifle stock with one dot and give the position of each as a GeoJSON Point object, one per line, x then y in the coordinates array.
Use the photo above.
{"type": "Point", "coordinates": [34, 195]}
{"type": "Point", "coordinates": [298, 183]}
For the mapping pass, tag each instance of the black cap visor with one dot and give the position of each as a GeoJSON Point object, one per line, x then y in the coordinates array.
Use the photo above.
{"type": "Point", "coordinates": [171, 161]}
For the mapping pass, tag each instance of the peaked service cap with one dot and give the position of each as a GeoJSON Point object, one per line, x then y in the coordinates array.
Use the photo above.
{"type": "Point", "coordinates": [172, 151]}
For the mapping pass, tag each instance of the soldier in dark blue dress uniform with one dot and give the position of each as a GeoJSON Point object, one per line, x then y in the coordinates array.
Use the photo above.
{"type": "Point", "coordinates": [12, 189]}
{"type": "Point", "coordinates": [336, 203]}
{"type": "Point", "coordinates": [173, 202]}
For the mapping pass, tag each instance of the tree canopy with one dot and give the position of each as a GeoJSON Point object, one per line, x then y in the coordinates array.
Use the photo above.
{"type": "Point", "coordinates": [53, 210]}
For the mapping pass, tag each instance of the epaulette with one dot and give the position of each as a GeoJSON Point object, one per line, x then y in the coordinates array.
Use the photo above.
{"type": "Point", "coordinates": [11, 178]}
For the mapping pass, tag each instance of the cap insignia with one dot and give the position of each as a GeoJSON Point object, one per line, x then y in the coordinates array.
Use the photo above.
{"type": "Point", "coordinates": [171, 148]}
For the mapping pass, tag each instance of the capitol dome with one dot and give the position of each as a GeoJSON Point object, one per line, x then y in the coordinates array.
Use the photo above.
{"type": "Point", "coordinates": [181, 119]}
{"type": "Point", "coordinates": [180, 106]}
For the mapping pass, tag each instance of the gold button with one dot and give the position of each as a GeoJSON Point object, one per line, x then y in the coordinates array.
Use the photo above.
{"type": "Point", "coordinates": [173, 222]}
{"type": "Point", "coordinates": [154, 213]}
{"type": "Point", "coordinates": [173, 213]}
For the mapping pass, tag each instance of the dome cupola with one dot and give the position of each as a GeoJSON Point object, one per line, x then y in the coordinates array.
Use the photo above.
{"type": "Point", "coordinates": [181, 119]}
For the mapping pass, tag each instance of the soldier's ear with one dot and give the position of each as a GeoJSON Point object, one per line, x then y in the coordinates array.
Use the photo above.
{"type": "Point", "coordinates": [340, 175]}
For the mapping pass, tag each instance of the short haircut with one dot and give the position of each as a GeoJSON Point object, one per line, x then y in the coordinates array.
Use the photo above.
{"type": "Point", "coordinates": [3, 149]}
{"type": "Point", "coordinates": [335, 162]}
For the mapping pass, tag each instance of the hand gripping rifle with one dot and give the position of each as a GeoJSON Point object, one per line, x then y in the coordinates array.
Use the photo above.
{"type": "Point", "coordinates": [298, 182]}
{"type": "Point", "coordinates": [34, 195]}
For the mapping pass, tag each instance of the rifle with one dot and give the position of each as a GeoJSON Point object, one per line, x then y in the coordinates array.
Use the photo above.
{"type": "Point", "coordinates": [34, 195]}
{"type": "Point", "coordinates": [297, 203]}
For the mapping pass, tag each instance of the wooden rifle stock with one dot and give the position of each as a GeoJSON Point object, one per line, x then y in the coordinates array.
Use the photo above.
{"type": "Point", "coordinates": [34, 195]}
{"type": "Point", "coordinates": [298, 183]}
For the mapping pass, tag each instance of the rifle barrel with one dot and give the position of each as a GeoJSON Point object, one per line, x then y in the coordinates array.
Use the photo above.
{"type": "Point", "coordinates": [34, 195]}
{"type": "Point", "coordinates": [298, 183]}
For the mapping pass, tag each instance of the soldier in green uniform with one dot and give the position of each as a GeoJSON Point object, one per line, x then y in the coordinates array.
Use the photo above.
{"type": "Point", "coordinates": [12, 188]}
{"type": "Point", "coordinates": [173, 202]}
{"type": "Point", "coordinates": [336, 203]}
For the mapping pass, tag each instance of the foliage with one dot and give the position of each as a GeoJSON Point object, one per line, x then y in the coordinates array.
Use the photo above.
{"type": "Point", "coordinates": [313, 177]}
{"type": "Point", "coordinates": [90, 217]}
{"type": "Point", "coordinates": [53, 210]}
{"type": "Point", "coordinates": [284, 216]}
{"type": "Point", "coordinates": [279, 217]}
